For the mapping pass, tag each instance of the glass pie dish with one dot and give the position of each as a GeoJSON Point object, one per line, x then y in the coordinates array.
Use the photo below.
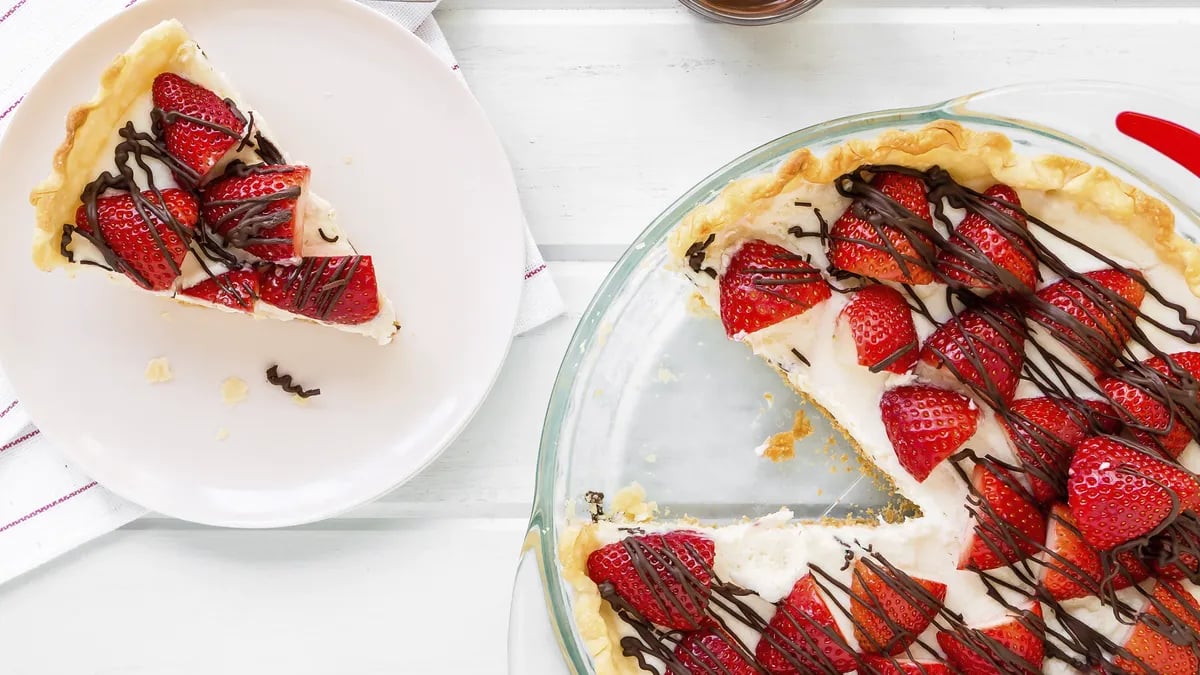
{"type": "Point", "coordinates": [651, 391]}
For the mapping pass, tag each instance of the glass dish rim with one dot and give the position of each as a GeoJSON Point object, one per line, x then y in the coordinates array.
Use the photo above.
{"type": "Point", "coordinates": [542, 538]}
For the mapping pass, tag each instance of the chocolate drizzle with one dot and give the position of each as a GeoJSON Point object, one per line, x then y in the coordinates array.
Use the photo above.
{"type": "Point", "coordinates": [254, 214]}
{"type": "Point", "coordinates": [130, 157]}
{"type": "Point", "coordinates": [286, 383]}
{"type": "Point", "coordinates": [1017, 317]}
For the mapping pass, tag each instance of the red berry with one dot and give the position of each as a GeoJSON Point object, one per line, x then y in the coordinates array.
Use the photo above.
{"type": "Point", "coordinates": [1009, 252]}
{"type": "Point", "coordinates": [199, 145]}
{"type": "Point", "coordinates": [677, 564]}
{"type": "Point", "coordinates": [926, 425]}
{"type": "Point", "coordinates": [765, 284]}
{"type": "Point", "coordinates": [882, 251]}
{"type": "Point", "coordinates": [882, 326]}
{"type": "Point", "coordinates": [891, 609]}
{"type": "Point", "coordinates": [339, 290]}
{"type": "Point", "coordinates": [153, 263]}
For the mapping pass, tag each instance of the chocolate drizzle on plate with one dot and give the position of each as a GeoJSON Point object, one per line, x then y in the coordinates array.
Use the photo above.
{"type": "Point", "coordinates": [1021, 321]}
{"type": "Point", "coordinates": [286, 383]}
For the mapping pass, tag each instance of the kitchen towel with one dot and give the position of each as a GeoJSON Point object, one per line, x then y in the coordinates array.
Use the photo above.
{"type": "Point", "coordinates": [46, 507]}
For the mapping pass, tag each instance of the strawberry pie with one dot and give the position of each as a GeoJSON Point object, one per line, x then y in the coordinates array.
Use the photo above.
{"type": "Point", "coordinates": [170, 182]}
{"type": "Point", "coordinates": [1012, 340]}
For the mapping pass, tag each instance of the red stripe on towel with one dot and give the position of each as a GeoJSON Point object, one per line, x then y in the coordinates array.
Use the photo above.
{"type": "Point", "coordinates": [42, 509]}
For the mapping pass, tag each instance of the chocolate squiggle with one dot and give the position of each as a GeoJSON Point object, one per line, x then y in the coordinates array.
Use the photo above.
{"type": "Point", "coordinates": [288, 384]}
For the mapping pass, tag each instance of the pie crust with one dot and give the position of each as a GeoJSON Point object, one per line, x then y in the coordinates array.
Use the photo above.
{"type": "Point", "coordinates": [90, 127]}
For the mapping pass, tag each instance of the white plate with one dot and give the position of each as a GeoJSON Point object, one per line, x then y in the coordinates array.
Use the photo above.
{"type": "Point", "coordinates": [420, 180]}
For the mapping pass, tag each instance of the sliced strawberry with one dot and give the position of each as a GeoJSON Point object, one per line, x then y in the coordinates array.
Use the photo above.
{"type": "Point", "coordinates": [711, 651]}
{"type": "Point", "coordinates": [1074, 568]}
{"type": "Point", "coordinates": [891, 609]}
{"type": "Point", "coordinates": [236, 289]}
{"type": "Point", "coordinates": [1091, 315]}
{"type": "Point", "coordinates": [882, 325]}
{"type": "Point", "coordinates": [1117, 492]}
{"type": "Point", "coordinates": [1175, 554]}
{"type": "Point", "coordinates": [1009, 525]}
{"type": "Point", "coordinates": [1043, 433]}
{"type": "Point", "coordinates": [765, 284]}
{"type": "Point", "coordinates": [1164, 640]}
{"type": "Point", "coordinates": [1009, 646]}
{"type": "Point", "coordinates": [198, 125]}
{"type": "Point", "coordinates": [1011, 266]}
{"type": "Point", "coordinates": [886, 665]}
{"type": "Point", "coordinates": [152, 258]}
{"type": "Point", "coordinates": [803, 637]}
{"type": "Point", "coordinates": [340, 290]}
{"type": "Point", "coordinates": [926, 425]}
{"type": "Point", "coordinates": [882, 251]}
{"type": "Point", "coordinates": [675, 587]}
{"type": "Point", "coordinates": [1139, 396]}
{"type": "Point", "coordinates": [983, 347]}
{"type": "Point", "coordinates": [259, 210]}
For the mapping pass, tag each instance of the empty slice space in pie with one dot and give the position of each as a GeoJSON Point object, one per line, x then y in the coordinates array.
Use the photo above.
{"type": "Point", "coordinates": [1012, 340]}
{"type": "Point", "coordinates": [169, 181]}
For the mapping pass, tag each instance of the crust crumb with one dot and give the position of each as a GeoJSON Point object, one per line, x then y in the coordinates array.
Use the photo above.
{"type": "Point", "coordinates": [782, 446]}
{"type": "Point", "coordinates": [158, 371]}
{"type": "Point", "coordinates": [630, 504]}
{"type": "Point", "coordinates": [222, 434]}
{"type": "Point", "coordinates": [234, 390]}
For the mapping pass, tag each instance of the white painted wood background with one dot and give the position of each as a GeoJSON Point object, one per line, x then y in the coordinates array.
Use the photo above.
{"type": "Point", "coordinates": [609, 109]}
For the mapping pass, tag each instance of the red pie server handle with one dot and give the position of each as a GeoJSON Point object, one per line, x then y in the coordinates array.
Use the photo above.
{"type": "Point", "coordinates": [1177, 142]}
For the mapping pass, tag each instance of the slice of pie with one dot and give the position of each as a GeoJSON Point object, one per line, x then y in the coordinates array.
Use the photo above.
{"type": "Point", "coordinates": [169, 181]}
{"type": "Point", "coordinates": [1012, 340]}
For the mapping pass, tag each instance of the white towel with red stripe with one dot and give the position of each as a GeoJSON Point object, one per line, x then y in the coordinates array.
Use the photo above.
{"type": "Point", "coordinates": [46, 507]}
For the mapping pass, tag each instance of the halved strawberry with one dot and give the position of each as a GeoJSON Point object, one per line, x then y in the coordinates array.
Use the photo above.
{"type": "Point", "coordinates": [765, 284]}
{"type": "Point", "coordinates": [199, 127]}
{"type": "Point", "coordinates": [802, 636]}
{"type": "Point", "coordinates": [1010, 261]}
{"type": "Point", "coordinates": [1043, 433]}
{"type": "Point", "coordinates": [891, 609]}
{"type": "Point", "coordinates": [882, 251]}
{"type": "Point", "coordinates": [1003, 648]}
{"type": "Point", "coordinates": [152, 259]}
{"type": "Point", "coordinates": [1140, 397]}
{"type": "Point", "coordinates": [882, 326]}
{"type": "Point", "coordinates": [1009, 525]}
{"type": "Point", "coordinates": [669, 582]}
{"type": "Point", "coordinates": [1091, 315]}
{"type": "Point", "coordinates": [1164, 639]}
{"type": "Point", "coordinates": [711, 651]}
{"type": "Point", "coordinates": [340, 290]}
{"type": "Point", "coordinates": [885, 665]}
{"type": "Point", "coordinates": [982, 347]}
{"type": "Point", "coordinates": [1117, 492]}
{"type": "Point", "coordinates": [1073, 567]}
{"type": "Point", "coordinates": [236, 289]}
{"type": "Point", "coordinates": [259, 209]}
{"type": "Point", "coordinates": [1175, 554]}
{"type": "Point", "coordinates": [926, 425]}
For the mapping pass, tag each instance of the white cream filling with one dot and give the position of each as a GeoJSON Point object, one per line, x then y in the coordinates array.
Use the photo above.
{"type": "Point", "coordinates": [318, 215]}
{"type": "Point", "coordinates": [768, 555]}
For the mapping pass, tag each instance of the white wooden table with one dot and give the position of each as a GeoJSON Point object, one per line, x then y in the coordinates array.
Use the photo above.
{"type": "Point", "coordinates": [609, 110]}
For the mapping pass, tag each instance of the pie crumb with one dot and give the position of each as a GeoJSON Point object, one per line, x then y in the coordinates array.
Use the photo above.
{"type": "Point", "coordinates": [603, 332]}
{"type": "Point", "coordinates": [666, 376]}
{"type": "Point", "coordinates": [651, 458]}
{"type": "Point", "coordinates": [348, 160]}
{"type": "Point", "coordinates": [166, 316]}
{"type": "Point", "coordinates": [300, 400]}
{"type": "Point", "coordinates": [782, 446]}
{"type": "Point", "coordinates": [769, 398]}
{"type": "Point", "coordinates": [234, 390]}
{"type": "Point", "coordinates": [158, 370]}
{"type": "Point", "coordinates": [696, 306]}
{"type": "Point", "coordinates": [222, 434]}
{"type": "Point", "coordinates": [630, 504]}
